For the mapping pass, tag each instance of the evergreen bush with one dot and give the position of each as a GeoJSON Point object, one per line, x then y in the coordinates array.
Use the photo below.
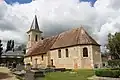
{"type": "Point", "coordinates": [114, 73]}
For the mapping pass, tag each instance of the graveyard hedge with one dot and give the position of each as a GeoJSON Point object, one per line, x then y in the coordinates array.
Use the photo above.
{"type": "Point", "coordinates": [114, 73]}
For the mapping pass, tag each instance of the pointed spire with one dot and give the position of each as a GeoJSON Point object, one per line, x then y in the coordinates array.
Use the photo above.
{"type": "Point", "coordinates": [35, 25]}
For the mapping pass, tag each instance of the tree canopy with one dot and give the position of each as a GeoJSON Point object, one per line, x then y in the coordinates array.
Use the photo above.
{"type": "Point", "coordinates": [114, 45]}
{"type": "Point", "coordinates": [1, 48]}
{"type": "Point", "coordinates": [21, 47]}
{"type": "Point", "coordinates": [10, 45]}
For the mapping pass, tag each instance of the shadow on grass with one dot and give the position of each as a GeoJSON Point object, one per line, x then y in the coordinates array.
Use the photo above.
{"type": "Point", "coordinates": [4, 75]}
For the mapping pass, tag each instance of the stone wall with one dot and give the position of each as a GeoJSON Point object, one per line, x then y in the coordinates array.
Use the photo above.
{"type": "Point", "coordinates": [36, 61]}
{"type": "Point", "coordinates": [75, 58]}
{"type": "Point", "coordinates": [97, 56]}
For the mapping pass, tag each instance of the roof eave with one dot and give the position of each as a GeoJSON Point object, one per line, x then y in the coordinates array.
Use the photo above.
{"type": "Point", "coordinates": [34, 30]}
{"type": "Point", "coordinates": [73, 46]}
{"type": "Point", "coordinates": [34, 54]}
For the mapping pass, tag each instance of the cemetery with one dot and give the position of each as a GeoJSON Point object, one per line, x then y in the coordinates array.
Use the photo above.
{"type": "Point", "coordinates": [27, 72]}
{"type": "Point", "coordinates": [52, 74]}
{"type": "Point", "coordinates": [70, 55]}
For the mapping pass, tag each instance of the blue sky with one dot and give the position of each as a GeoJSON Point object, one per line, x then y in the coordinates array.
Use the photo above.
{"type": "Point", "coordinates": [27, 1]}
{"type": "Point", "coordinates": [20, 1]}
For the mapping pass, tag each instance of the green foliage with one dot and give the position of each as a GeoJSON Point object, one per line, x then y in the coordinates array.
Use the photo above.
{"type": "Point", "coordinates": [21, 47]}
{"type": "Point", "coordinates": [114, 73]}
{"type": "Point", "coordinates": [114, 63]}
{"type": "Point", "coordinates": [1, 48]}
{"type": "Point", "coordinates": [114, 45]}
{"type": "Point", "coordinates": [10, 45]}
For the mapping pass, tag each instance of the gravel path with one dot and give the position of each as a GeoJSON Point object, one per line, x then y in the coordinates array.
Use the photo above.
{"type": "Point", "coordinates": [6, 75]}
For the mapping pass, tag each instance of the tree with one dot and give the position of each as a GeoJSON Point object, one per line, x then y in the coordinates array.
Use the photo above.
{"type": "Point", "coordinates": [10, 45]}
{"type": "Point", "coordinates": [21, 47]}
{"type": "Point", "coordinates": [114, 45]}
{"type": "Point", "coordinates": [1, 48]}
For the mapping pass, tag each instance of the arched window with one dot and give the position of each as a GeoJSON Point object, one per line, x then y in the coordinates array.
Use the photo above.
{"type": "Point", "coordinates": [67, 54]}
{"type": "Point", "coordinates": [36, 37]}
{"type": "Point", "coordinates": [85, 52]}
{"type": "Point", "coordinates": [42, 57]}
{"type": "Point", "coordinates": [31, 58]}
{"type": "Point", "coordinates": [52, 62]}
{"type": "Point", "coordinates": [59, 53]}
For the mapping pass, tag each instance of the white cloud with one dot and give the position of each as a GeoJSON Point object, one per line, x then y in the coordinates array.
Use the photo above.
{"type": "Point", "coordinates": [56, 16]}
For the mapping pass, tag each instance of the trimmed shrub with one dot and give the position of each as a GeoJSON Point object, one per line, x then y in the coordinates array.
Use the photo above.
{"type": "Point", "coordinates": [107, 73]}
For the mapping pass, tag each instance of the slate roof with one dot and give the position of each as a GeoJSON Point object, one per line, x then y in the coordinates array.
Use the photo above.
{"type": "Point", "coordinates": [13, 54]}
{"type": "Point", "coordinates": [35, 25]}
{"type": "Point", "coordinates": [74, 37]}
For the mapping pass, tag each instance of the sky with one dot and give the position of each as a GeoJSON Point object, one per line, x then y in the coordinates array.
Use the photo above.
{"type": "Point", "coordinates": [56, 16]}
{"type": "Point", "coordinates": [28, 1]}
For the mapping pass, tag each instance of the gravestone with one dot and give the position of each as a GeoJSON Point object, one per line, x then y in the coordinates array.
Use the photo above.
{"type": "Point", "coordinates": [28, 67]}
{"type": "Point", "coordinates": [29, 75]}
{"type": "Point", "coordinates": [33, 74]}
{"type": "Point", "coordinates": [19, 67]}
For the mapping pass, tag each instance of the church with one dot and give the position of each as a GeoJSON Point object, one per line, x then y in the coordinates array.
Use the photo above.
{"type": "Point", "coordinates": [71, 49]}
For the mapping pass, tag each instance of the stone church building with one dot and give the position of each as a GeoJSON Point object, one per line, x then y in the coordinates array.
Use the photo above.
{"type": "Point", "coordinates": [70, 49]}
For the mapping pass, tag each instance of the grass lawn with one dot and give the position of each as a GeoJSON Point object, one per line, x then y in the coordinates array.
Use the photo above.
{"type": "Point", "coordinates": [80, 75]}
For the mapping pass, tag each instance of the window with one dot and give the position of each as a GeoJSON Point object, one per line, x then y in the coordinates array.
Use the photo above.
{"type": "Point", "coordinates": [85, 52]}
{"type": "Point", "coordinates": [29, 38]}
{"type": "Point", "coordinates": [36, 37]}
{"type": "Point", "coordinates": [31, 58]}
{"type": "Point", "coordinates": [103, 64]}
{"type": "Point", "coordinates": [36, 61]}
{"type": "Point", "coordinates": [67, 54]}
{"type": "Point", "coordinates": [42, 57]}
{"type": "Point", "coordinates": [52, 62]}
{"type": "Point", "coordinates": [59, 53]}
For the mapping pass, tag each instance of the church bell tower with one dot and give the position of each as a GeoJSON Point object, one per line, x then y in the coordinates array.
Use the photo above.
{"type": "Point", "coordinates": [34, 34]}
